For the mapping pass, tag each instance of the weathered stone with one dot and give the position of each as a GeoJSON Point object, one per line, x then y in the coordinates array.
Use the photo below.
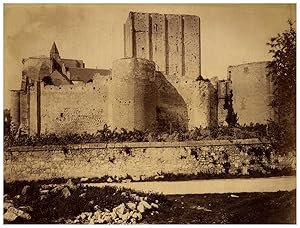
{"type": "Point", "coordinates": [70, 184]}
{"type": "Point", "coordinates": [44, 191]}
{"type": "Point", "coordinates": [84, 179]}
{"type": "Point", "coordinates": [125, 216]}
{"type": "Point", "coordinates": [7, 205]}
{"type": "Point", "coordinates": [113, 215]}
{"type": "Point", "coordinates": [245, 171]}
{"type": "Point", "coordinates": [154, 205]}
{"type": "Point", "coordinates": [137, 215]}
{"type": "Point", "coordinates": [82, 215]}
{"type": "Point", "coordinates": [42, 197]}
{"type": "Point", "coordinates": [97, 207]}
{"type": "Point", "coordinates": [91, 202]}
{"type": "Point", "coordinates": [82, 195]}
{"type": "Point", "coordinates": [107, 218]}
{"type": "Point", "coordinates": [57, 189]}
{"type": "Point", "coordinates": [26, 208]}
{"type": "Point", "coordinates": [136, 178]}
{"type": "Point", "coordinates": [12, 213]}
{"type": "Point", "coordinates": [135, 197]}
{"type": "Point", "coordinates": [10, 216]}
{"type": "Point", "coordinates": [131, 206]}
{"type": "Point", "coordinates": [133, 221]}
{"type": "Point", "coordinates": [66, 193]}
{"type": "Point", "coordinates": [109, 180]}
{"type": "Point", "coordinates": [145, 204]}
{"type": "Point", "coordinates": [141, 207]}
{"type": "Point", "coordinates": [126, 181]}
{"type": "Point", "coordinates": [25, 190]}
{"type": "Point", "coordinates": [120, 210]}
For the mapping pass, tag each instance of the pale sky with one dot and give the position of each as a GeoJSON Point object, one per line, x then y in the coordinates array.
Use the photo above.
{"type": "Point", "coordinates": [230, 34]}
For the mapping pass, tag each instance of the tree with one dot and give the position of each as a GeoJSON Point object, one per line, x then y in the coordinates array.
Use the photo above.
{"type": "Point", "coordinates": [282, 71]}
{"type": "Point", "coordinates": [231, 117]}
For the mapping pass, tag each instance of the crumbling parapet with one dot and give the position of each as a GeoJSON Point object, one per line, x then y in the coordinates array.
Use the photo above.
{"type": "Point", "coordinates": [133, 94]}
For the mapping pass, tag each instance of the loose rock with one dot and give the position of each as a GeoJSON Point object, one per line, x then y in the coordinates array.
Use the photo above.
{"type": "Point", "coordinates": [7, 205]}
{"type": "Point", "coordinates": [66, 193]}
{"type": "Point", "coordinates": [70, 184]}
{"type": "Point", "coordinates": [145, 204]}
{"type": "Point", "coordinates": [109, 180]}
{"type": "Point", "coordinates": [56, 189]}
{"type": "Point", "coordinates": [26, 208]}
{"type": "Point", "coordinates": [154, 205]}
{"type": "Point", "coordinates": [84, 179]}
{"type": "Point", "coordinates": [131, 206]}
{"type": "Point", "coordinates": [25, 190]}
{"type": "Point", "coordinates": [141, 207]}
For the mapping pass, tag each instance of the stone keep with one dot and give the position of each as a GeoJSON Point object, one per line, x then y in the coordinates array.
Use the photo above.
{"type": "Point", "coordinates": [171, 41]}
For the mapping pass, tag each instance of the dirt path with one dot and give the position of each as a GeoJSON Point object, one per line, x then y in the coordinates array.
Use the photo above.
{"type": "Point", "coordinates": [270, 184]}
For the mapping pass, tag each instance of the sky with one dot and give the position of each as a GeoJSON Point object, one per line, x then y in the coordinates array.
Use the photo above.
{"type": "Point", "coordinates": [231, 34]}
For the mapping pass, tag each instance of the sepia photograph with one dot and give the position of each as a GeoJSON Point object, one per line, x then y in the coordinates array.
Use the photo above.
{"type": "Point", "coordinates": [149, 113]}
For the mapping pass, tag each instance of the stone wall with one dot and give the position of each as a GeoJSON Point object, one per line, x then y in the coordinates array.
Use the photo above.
{"type": "Point", "coordinates": [15, 107]}
{"type": "Point", "coordinates": [132, 94]}
{"type": "Point", "coordinates": [186, 103]}
{"type": "Point", "coordinates": [73, 108]}
{"type": "Point", "coordinates": [252, 92]}
{"type": "Point", "coordinates": [171, 41]}
{"type": "Point", "coordinates": [141, 160]}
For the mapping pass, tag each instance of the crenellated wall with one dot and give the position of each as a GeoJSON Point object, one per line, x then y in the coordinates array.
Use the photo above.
{"type": "Point", "coordinates": [171, 41]}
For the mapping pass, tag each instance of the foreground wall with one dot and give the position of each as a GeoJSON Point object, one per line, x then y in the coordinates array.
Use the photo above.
{"type": "Point", "coordinates": [141, 160]}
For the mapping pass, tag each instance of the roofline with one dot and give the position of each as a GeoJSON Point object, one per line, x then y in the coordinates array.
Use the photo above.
{"type": "Point", "coordinates": [251, 63]}
{"type": "Point", "coordinates": [72, 59]}
{"type": "Point", "coordinates": [165, 14]}
{"type": "Point", "coordinates": [88, 68]}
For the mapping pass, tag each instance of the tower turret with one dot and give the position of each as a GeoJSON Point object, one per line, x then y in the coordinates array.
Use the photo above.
{"type": "Point", "coordinates": [54, 52]}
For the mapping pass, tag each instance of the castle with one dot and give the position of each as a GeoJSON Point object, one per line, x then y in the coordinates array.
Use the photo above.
{"type": "Point", "coordinates": [157, 83]}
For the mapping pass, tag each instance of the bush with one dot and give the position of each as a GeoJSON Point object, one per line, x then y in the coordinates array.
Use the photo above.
{"type": "Point", "coordinates": [106, 135]}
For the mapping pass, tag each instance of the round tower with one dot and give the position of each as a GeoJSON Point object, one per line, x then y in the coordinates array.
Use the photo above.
{"type": "Point", "coordinates": [15, 107]}
{"type": "Point", "coordinates": [133, 94]}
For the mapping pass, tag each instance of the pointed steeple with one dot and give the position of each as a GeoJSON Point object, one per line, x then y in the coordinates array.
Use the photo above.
{"type": "Point", "coordinates": [54, 51]}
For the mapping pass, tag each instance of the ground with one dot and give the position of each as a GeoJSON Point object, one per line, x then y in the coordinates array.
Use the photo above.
{"type": "Point", "coordinates": [66, 203]}
{"type": "Point", "coordinates": [248, 208]}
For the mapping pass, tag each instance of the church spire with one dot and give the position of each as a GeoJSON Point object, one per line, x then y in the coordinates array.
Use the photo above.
{"type": "Point", "coordinates": [54, 51]}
